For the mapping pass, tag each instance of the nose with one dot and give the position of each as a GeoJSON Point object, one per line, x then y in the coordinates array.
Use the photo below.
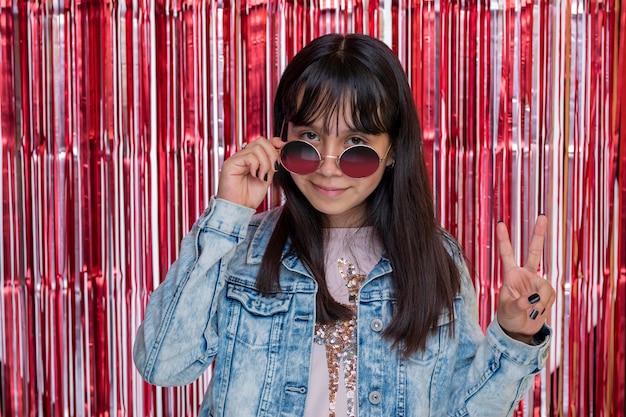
{"type": "Point", "coordinates": [329, 165]}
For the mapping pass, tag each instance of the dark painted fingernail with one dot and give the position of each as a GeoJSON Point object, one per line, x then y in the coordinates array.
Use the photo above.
{"type": "Point", "coordinates": [534, 298]}
{"type": "Point", "coordinates": [257, 173]}
{"type": "Point", "coordinates": [275, 165]}
{"type": "Point", "coordinates": [265, 177]}
{"type": "Point", "coordinates": [543, 311]}
{"type": "Point", "coordinates": [500, 221]}
{"type": "Point", "coordinates": [534, 314]}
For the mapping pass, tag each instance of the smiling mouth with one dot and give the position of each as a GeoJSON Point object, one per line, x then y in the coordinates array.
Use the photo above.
{"type": "Point", "coordinates": [329, 191]}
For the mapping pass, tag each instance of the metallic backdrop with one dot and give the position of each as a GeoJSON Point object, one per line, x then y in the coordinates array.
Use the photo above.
{"type": "Point", "coordinates": [116, 115]}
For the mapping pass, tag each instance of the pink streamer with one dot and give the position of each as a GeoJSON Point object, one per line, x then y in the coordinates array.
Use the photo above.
{"type": "Point", "coordinates": [618, 373]}
{"type": "Point", "coordinates": [115, 119]}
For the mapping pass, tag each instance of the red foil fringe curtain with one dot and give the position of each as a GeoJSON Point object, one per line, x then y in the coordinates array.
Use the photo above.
{"type": "Point", "coordinates": [116, 116]}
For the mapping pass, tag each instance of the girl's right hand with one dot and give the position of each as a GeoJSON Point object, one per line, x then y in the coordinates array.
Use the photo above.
{"type": "Point", "coordinates": [246, 175]}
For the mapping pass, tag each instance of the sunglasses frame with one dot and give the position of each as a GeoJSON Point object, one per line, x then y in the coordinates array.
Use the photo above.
{"type": "Point", "coordinates": [336, 158]}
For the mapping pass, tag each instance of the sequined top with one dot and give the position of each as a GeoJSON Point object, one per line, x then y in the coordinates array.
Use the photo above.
{"type": "Point", "coordinates": [350, 254]}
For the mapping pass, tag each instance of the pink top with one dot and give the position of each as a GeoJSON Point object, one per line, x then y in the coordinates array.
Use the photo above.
{"type": "Point", "coordinates": [351, 253]}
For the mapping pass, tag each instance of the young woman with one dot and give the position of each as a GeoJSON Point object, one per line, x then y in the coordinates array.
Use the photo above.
{"type": "Point", "coordinates": [349, 299]}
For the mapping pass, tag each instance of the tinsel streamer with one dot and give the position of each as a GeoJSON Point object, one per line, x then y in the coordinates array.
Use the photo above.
{"type": "Point", "coordinates": [15, 391]}
{"type": "Point", "coordinates": [535, 89]}
{"type": "Point", "coordinates": [374, 17]}
{"type": "Point", "coordinates": [445, 158]}
{"type": "Point", "coordinates": [502, 66]}
{"type": "Point", "coordinates": [254, 16]}
{"type": "Point", "coordinates": [550, 129]}
{"type": "Point", "coordinates": [572, 346]}
{"type": "Point", "coordinates": [618, 267]}
{"type": "Point", "coordinates": [425, 23]}
{"type": "Point", "coordinates": [232, 101]}
{"type": "Point", "coordinates": [414, 60]}
{"type": "Point", "coordinates": [115, 118]}
{"type": "Point", "coordinates": [576, 151]}
{"type": "Point", "coordinates": [185, 164]}
{"type": "Point", "coordinates": [596, 172]}
{"type": "Point", "coordinates": [473, 130]}
{"type": "Point", "coordinates": [482, 259]}
{"type": "Point", "coordinates": [564, 152]}
{"type": "Point", "coordinates": [294, 12]}
{"type": "Point", "coordinates": [611, 392]}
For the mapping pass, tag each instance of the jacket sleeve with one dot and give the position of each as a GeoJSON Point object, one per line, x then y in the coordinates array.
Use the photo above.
{"type": "Point", "coordinates": [493, 371]}
{"type": "Point", "coordinates": [177, 340]}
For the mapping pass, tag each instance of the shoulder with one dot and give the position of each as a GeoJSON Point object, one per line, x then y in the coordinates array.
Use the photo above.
{"type": "Point", "coordinates": [452, 246]}
{"type": "Point", "coordinates": [456, 252]}
{"type": "Point", "coordinates": [266, 218]}
{"type": "Point", "coordinates": [260, 230]}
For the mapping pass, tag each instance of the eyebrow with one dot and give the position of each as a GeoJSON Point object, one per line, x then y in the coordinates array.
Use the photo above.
{"type": "Point", "coordinates": [322, 127]}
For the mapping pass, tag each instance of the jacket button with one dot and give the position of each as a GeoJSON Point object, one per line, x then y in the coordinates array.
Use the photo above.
{"type": "Point", "coordinates": [375, 397]}
{"type": "Point", "coordinates": [376, 325]}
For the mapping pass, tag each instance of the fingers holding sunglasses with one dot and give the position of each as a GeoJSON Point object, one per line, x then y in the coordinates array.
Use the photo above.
{"type": "Point", "coordinates": [277, 142]}
{"type": "Point", "coordinates": [260, 157]}
{"type": "Point", "coordinates": [246, 175]}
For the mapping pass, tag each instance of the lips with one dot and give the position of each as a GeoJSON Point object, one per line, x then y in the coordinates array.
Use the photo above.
{"type": "Point", "coordinates": [329, 191]}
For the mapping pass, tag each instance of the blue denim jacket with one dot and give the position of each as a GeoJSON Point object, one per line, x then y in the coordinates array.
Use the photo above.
{"type": "Point", "coordinates": [207, 310]}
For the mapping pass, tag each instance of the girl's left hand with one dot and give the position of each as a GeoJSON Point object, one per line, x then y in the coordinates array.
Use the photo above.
{"type": "Point", "coordinates": [525, 298]}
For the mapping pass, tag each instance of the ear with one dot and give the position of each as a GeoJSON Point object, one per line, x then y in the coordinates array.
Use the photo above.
{"type": "Point", "coordinates": [391, 160]}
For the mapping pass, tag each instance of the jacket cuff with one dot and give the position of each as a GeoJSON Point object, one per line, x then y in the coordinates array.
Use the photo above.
{"type": "Point", "coordinates": [226, 217]}
{"type": "Point", "coordinates": [535, 354]}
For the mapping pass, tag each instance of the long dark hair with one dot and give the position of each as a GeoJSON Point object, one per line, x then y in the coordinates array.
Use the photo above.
{"type": "Point", "coordinates": [316, 84]}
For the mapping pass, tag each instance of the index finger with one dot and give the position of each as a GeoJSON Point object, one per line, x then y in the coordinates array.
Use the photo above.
{"type": "Point", "coordinates": [505, 248]}
{"type": "Point", "coordinates": [535, 249]}
{"type": "Point", "coordinates": [277, 142]}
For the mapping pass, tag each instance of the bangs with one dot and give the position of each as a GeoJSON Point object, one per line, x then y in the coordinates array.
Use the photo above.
{"type": "Point", "coordinates": [328, 91]}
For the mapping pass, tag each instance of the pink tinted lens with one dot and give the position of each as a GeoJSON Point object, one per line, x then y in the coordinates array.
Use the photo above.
{"type": "Point", "coordinates": [359, 161]}
{"type": "Point", "coordinates": [299, 157]}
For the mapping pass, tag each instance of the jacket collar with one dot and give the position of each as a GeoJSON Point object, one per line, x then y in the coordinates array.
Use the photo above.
{"type": "Point", "coordinates": [261, 228]}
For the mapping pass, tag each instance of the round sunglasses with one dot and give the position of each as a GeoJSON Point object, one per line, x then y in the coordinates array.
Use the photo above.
{"type": "Point", "coordinates": [358, 161]}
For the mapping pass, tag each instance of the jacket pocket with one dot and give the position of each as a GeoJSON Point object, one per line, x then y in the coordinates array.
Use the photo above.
{"type": "Point", "coordinates": [256, 319]}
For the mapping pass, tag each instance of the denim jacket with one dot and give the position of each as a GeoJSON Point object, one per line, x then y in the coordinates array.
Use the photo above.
{"type": "Point", "coordinates": [207, 310]}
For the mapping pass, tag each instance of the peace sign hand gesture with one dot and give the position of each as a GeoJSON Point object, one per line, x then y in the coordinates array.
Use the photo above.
{"type": "Point", "coordinates": [525, 298]}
